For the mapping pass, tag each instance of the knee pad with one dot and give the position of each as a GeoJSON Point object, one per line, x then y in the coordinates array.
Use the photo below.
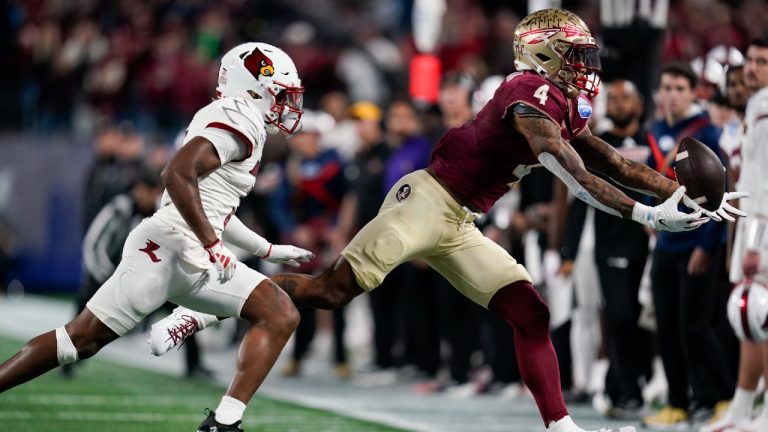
{"type": "Point", "coordinates": [65, 349]}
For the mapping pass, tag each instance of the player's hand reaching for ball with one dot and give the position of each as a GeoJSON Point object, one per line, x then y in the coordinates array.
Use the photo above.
{"type": "Point", "coordinates": [667, 217]}
{"type": "Point", "coordinates": [287, 254]}
{"type": "Point", "coordinates": [726, 211]}
{"type": "Point", "coordinates": [224, 261]}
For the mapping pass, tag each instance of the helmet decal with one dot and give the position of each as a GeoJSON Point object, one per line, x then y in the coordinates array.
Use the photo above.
{"type": "Point", "coordinates": [543, 34]}
{"type": "Point", "coordinates": [258, 63]}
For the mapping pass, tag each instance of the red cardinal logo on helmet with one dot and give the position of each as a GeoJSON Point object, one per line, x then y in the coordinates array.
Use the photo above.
{"type": "Point", "coordinates": [258, 64]}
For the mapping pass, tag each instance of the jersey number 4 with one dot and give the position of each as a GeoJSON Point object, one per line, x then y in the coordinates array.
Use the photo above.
{"type": "Point", "coordinates": [542, 93]}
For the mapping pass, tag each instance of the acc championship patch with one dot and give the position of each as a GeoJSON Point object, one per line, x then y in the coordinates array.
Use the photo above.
{"type": "Point", "coordinates": [403, 192]}
{"type": "Point", "coordinates": [585, 109]}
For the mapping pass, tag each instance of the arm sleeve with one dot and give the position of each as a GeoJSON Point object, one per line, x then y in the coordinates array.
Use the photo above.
{"type": "Point", "coordinates": [243, 237]}
{"type": "Point", "coordinates": [227, 144]}
{"type": "Point", "coordinates": [574, 186]}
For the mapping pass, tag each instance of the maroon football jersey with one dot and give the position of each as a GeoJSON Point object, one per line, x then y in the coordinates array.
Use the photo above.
{"type": "Point", "coordinates": [482, 159]}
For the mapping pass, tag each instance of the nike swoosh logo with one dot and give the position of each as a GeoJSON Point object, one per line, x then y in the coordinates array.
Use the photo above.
{"type": "Point", "coordinates": [663, 222]}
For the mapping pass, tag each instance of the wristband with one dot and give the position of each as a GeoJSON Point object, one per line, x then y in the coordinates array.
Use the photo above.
{"type": "Point", "coordinates": [643, 214]}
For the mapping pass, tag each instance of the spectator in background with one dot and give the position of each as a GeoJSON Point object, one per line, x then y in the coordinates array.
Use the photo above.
{"type": "Point", "coordinates": [637, 29]}
{"type": "Point", "coordinates": [750, 250]}
{"type": "Point", "coordinates": [118, 164]}
{"type": "Point", "coordinates": [305, 208]}
{"type": "Point", "coordinates": [411, 150]}
{"type": "Point", "coordinates": [343, 134]}
{"type": "Point", "coordinates": [685, 270]}
{"type": "Point", "coordinates": [420, 333]}
{"type": "Point", "coordinates": [460, 318]}
{"type": "Point", "coordinates": [736, 95]}
{"type": "Point", "coordinates": [365, 177]}
{"type": "Point", "coordinates": [620, 264]}
{"type": "Point", "coordinates": [456, 315]}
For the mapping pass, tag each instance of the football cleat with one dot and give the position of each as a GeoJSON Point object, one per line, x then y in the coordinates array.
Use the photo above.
{"type": "Point", "coordinates": [567, 425]}
{"type": "Point", "coordinates": [621, 429]}
{"type": "Point", "coordinates": [173, 330]}
{"type": "Point", "coordinates": [211, 425]}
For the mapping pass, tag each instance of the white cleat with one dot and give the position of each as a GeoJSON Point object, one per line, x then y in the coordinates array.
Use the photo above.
{"type": "Point", "coordinates": [621, 429]}
{"type": "Point", "coordinates": [565, 424]}
{"type": "Point", "coordinates": [177, 327]}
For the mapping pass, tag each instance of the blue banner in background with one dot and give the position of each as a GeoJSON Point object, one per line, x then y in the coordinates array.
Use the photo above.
{"type": "Point", "coordinates": [44, 209]}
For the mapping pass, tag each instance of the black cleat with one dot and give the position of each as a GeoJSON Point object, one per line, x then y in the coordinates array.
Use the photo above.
{"type": "Point", "coordinates": [211, 425]}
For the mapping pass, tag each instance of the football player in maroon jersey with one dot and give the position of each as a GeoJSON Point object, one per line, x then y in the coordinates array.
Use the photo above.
{"type": "Point", "coordinates": [537, 117]}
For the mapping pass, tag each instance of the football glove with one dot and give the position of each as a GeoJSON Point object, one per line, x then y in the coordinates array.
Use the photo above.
{"type": "Point", "coordinates": [726, 211]}
{"type": "Point", "coordinates": [224, 261]}
{"type": "Point", "coordinates": [287, 254]}
{"type": "Point", "coordinates": [666, 216]}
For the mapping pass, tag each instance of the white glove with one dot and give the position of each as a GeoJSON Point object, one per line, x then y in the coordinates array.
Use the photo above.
{"type": "Point", "coordinates": [666, 216]}
{"type": "Point", "coordinates": [722, 212]}
{"type": "Point", "coordinates": [287, 254]}
{"type": "Point", "coordinates": [224, 261]}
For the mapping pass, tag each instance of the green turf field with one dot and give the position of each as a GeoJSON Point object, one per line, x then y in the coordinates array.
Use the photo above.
{"type": "Point", "coordinates": [106, 397]}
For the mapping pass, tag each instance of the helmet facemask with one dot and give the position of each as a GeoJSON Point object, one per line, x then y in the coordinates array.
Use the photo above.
{"type": "Point", "coordinates": [581, 65]}
{"type": "Point", "coordinates": [287, 107]}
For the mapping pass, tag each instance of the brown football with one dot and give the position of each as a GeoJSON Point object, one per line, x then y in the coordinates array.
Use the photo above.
{"type": "Point", "coordinates": [699, 169]}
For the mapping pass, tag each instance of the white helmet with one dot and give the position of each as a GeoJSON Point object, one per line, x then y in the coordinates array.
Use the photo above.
{"type": "Point", "coordinates": [485, 92]}
{"type": "Point", "coordinates": [265, 75]}
{"type": "Point", "coordinates": [748, 311]}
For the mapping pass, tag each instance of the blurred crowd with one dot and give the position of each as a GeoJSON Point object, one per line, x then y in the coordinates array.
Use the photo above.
{"type": "Point", "coordinates": [130, 74]}
{"type": "Point", "coordinates": [74, 65]}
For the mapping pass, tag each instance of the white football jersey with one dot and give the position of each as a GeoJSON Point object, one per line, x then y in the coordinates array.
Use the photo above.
{"type": "Point", "coordinates": [753, 178]}
{"type": "Point", "coordinates": [226, 123]}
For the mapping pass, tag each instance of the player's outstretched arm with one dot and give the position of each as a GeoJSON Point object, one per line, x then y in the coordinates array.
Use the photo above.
{"type": "Point", "coordinates": [557, 156]}
{"type": "Point", "coordinates": [561, 159]}
{"type": "Point", "coordinates": [241, 236]}
{"type": "Point", "coordinates": [602, 157]}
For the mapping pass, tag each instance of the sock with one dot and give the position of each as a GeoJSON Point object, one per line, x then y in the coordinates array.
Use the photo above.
{"type": "Point", "coordinates": [741, 405]}
{"type": "Point", "coordinates": [565, 424]}
{"type": "Point", "coordinates": [522, 307]}
{"type": "Point", "coordinates": [229, 410]}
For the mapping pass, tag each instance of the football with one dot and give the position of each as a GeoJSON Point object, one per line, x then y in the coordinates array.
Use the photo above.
{"type": "Point", "coordinates": [699, 169]}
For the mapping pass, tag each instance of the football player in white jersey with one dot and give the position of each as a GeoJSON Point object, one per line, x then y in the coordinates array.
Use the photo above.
{"type": "Point", "coordinates": [177, 254]}
{"type": "Point", "coordinates": [749, 259]}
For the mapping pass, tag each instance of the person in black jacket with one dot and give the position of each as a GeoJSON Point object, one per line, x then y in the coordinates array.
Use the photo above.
{"type": "Point", "coordinates": [621, 251]}
{"type": "Point", "coordinates": [620, 264]}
